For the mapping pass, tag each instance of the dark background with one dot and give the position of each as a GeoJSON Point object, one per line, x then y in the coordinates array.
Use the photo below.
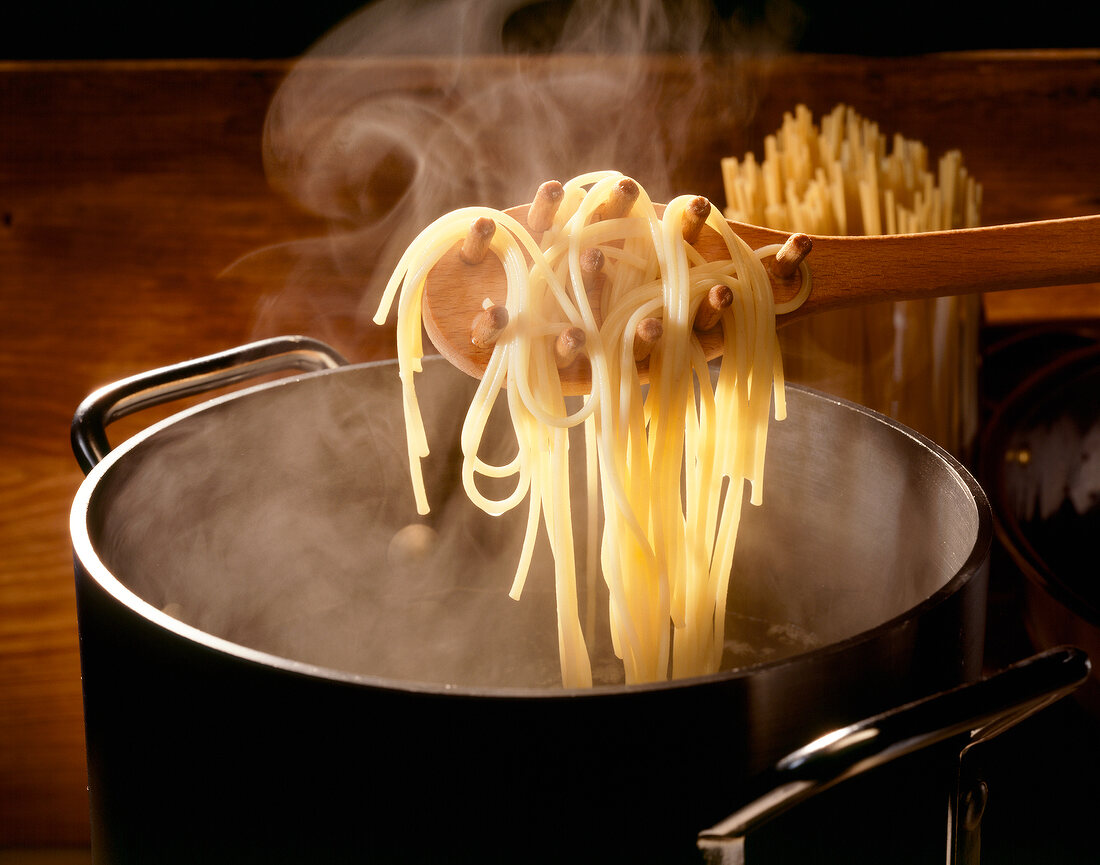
{"type": "Point", "coordinates": [134, 29]}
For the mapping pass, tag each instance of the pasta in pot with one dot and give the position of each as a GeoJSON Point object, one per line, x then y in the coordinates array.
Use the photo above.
{"type": "Point", "coordinates": [668, 463]}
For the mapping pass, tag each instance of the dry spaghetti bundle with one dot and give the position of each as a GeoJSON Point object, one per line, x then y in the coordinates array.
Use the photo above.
{"type": "Point", "coordinates": [913, 360]}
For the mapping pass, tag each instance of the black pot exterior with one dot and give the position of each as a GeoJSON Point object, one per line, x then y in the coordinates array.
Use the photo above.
{"type": "Point", "coordinates": [196, 755]}
{"type": "Point", "coordinates": [201, 750]}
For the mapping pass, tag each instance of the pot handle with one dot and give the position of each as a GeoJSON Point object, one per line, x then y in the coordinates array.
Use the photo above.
{"type": "Point", "coordinates": [974, 713]}
{"type": "Point", "coordinates": [199, 375]}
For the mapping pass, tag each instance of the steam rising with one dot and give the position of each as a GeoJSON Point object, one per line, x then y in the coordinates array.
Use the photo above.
{"type": "Point", "coordinates": [283, 521]}
{"type": "Point", "coordinates": [292, 527]}
{"type": "Point", "coordinates": [408, 110]}
{"type": "Point", "coordinates": [515, 94]}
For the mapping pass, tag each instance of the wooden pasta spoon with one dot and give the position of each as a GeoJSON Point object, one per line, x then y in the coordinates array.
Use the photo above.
{"type": "Point", "coordinates": [464, 294]}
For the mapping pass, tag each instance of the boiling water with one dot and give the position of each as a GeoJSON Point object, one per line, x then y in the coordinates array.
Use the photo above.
{"type": "Point", "coordinates": [284, 521]}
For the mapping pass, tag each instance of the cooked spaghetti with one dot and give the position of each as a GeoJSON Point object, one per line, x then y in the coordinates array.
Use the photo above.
{"type": "Point", "coordinates": [668, 463]}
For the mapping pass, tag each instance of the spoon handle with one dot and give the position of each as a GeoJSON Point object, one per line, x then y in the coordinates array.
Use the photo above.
{"type": "Point", "coordinates": [853, 270]}
{"type": "Point", "coordinates": [844, 270]}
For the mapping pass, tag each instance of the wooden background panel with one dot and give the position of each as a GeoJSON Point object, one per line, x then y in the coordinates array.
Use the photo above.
{"type": "Point", "coordinates": [124, 190]}
{"type": "Point", "coordinates": [137, 228]}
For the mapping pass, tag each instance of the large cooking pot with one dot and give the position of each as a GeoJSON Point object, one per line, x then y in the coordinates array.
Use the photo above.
{"type": "Point", "coordinates": [277, 669]}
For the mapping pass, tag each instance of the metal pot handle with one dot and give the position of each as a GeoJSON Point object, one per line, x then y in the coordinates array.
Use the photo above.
{"type": "Point", "coordinates": [973, 713]}
{"type": "Point", "coordinates": [199, 375]}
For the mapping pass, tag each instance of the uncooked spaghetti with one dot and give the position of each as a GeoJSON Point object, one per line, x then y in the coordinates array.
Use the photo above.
{"type": "Point", "coordinates": [913, 360]}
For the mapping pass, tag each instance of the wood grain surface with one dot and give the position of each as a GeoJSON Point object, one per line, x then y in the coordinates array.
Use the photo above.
{"type": "Point", "coordinates": [138, 228]}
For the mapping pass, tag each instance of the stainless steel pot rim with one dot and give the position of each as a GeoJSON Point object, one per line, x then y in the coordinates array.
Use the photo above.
{"type": "Point", "coordinates": [85, 553]}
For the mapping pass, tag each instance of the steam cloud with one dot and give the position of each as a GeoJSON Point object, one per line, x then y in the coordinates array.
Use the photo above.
{"type": "Point", "coordinates": [292, 550]}
{"type": "Point", "coordinates": [516, 93]}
